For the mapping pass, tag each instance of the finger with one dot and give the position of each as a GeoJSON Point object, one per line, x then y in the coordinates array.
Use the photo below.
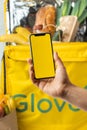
{"type": "Point", "coordinates": [31, 72]}
{"type": "Point", "coordinates": [30, 61]}
{"type": "Point", "coordinates": [32, 75]}
{"type": "Point", "coordinates": [57, 60]}
{"type": "Point", "coordinates": [32, 68]}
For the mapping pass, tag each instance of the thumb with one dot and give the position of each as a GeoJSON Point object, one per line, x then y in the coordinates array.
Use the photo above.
{"type": "Point", "coordinates": [58, 61]}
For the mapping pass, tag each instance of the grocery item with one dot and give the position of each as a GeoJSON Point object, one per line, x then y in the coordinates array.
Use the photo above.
{"type": "Point", "coordinates": [70, 17]}
{"type": "Point", "coordinates": [16, 38]}
{"type": "Point", "coordinates": [8, 118]}
{"type": "Point", "coordinates": [69, 25]}
{"type": "Point", "coordinates": [58, 35]}
{"type": "Point", "coordinates": [24, 32]}
{"type": "Point", "coordinates": [7, 105]}
{"type": "Point", "coordinates": [1, 111]}
{"type": "Point", "coordinates": [11, 104]}
{"type": "Point", "coordinates": [20, 35]}
{"type": "Point", "coordinates": [46, 17]}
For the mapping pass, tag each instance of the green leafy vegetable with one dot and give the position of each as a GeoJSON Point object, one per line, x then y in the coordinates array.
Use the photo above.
{"type": "Point", "coordinates": [83, 5]}
{"type": "Point", "coordinates": [76, 8]}
{"type": "Point", "coordinates": [83, 16]}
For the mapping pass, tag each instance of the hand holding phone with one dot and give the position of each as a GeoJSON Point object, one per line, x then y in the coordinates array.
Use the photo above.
{"type": "Point", "coordinates": [42, 55]}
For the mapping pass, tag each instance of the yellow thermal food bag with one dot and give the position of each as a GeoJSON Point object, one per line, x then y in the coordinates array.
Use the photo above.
{"type": "Point", "coordinates": [35, 109]}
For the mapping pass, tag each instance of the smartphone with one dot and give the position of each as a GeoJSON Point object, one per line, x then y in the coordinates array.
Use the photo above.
{"type": "Point", "coordinates": [42, 55]}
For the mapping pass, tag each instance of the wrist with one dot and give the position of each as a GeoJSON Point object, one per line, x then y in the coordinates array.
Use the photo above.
{"type": "Point", "coordinates": [65, 91]}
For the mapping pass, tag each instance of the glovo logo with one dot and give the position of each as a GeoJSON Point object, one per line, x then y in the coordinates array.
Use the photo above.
{"type": "Point", "coordinates": [24, 105]}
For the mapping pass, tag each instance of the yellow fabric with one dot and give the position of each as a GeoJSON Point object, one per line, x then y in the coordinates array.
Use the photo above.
{"type": "Point", "coordinates": [35, 109]}
{"type": "Point", "coordinates": [1, 76]}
